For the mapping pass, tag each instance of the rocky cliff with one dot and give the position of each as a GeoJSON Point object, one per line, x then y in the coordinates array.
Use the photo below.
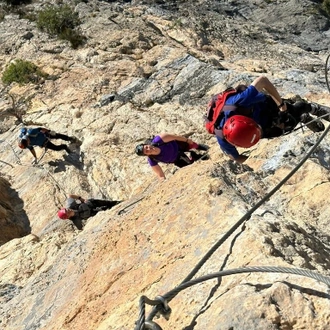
{"type": "Point", "coordinates": [148, 67]}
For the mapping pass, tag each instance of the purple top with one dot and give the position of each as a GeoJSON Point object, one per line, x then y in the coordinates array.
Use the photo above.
{"type": "Point", "coordinates": [168, 151]}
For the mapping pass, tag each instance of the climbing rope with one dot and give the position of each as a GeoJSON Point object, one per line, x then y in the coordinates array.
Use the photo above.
{"type": "Point", "coordinates": [157, 307]}
{"type": "Point", "coordinates": [13, 150]}
{"type": "Point", "coordinates": [41, 157]}
{"type": "Point", "coordinates": [2, 161]}
{"type": "Point", "coordinates": [146, 191]}
{"type": "Point", "coordinates": [55, 181]}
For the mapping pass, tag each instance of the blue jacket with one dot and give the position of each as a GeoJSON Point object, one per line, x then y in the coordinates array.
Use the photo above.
{"type": "Point", "coordinates": [36, 137]}
{"type": "Point", "coordinates": [250, 98]}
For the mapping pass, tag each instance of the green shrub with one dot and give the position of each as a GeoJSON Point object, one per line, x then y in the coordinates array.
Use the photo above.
{"type": "Point", "coordinates": [326, 7]}
{"type": "Point", "coordinates": [61, 21]}
{"type": "Point", "coordinates": [16, 7]}
{"type": "Point", "coordinates": [75, 38]}
{"type": "Point", "coordinates": [22, 72]}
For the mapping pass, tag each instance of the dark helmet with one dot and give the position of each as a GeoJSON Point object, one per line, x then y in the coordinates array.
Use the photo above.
{"type": "Point", "coordinates": [139, 149]}
{"type": "Point", "coordinates": [241, 131]}
{"type": "Point", "coordinates": [23, 143]}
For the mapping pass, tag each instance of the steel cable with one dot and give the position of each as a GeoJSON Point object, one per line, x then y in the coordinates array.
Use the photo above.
{"type": "Point", "coordinates": [257, 269]}
{"type": "Point", "coordinates": [158, 302]}
{"type": "Point", "coordinates": [256, 206]}
{"type": "Point", "coordinates": [247, 216]}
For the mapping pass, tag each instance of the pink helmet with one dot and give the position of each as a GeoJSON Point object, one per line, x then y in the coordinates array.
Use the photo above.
{"type": "Point", "coordinates": [62, 214]}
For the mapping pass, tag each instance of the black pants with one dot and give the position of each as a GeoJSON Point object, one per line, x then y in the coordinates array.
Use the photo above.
{"type": "Point", "coordinates": [182, 159]}
{"type": "Point", "coordinates": [290, 118]}
{"type": "Point", "coordinates": [59, 136]}
{"type": "Point", "coordinates": [298, 108]}
{"type": "Point", "coordinates": [103, 204]}
{"type": "Point", "coordinates": [52, 146]}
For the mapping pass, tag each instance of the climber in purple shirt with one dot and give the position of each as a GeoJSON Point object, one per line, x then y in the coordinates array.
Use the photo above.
{"type": "Point", "coordinates": [169, 148]}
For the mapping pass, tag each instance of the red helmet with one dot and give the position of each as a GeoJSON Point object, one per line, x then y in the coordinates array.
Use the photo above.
{"type": "Point", "coordinates": [23, 143]}
{"type": "Point", "coordinates": [62, 214]}
{"type": "Point", "coordinates": [241, 131]}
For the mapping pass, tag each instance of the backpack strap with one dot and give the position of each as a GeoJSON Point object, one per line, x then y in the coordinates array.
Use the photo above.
{"type": "Point", "coordinates": [221, 115]}
{"type": "Point", "coordinates": [218, 132]}
{"type": "Point", "coordinates": [216, 107]}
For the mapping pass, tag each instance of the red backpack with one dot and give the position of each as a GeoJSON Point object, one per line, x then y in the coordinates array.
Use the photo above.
{"type": "Point", "coordinates": [215, 106]}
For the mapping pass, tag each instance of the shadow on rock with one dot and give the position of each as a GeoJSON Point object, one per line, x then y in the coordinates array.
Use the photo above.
{"type": "Point", "coordinates": [14, 221]}
{"type": "Point", "coordinates": [73, 159]}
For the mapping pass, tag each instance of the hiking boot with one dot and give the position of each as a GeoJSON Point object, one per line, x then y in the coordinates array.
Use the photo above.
{"type": "Point", "coordinates": [315, 126]}
{"type": "Point", "coordinates": [195, 156]}
{"type": "Point", "coordinates": [203, 147]}
{"type": "Point", "coordinates": [319, 110]}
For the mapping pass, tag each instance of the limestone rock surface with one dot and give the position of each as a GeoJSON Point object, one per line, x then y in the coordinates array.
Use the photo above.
{"type": "Point", "coordinates": [149, 67]}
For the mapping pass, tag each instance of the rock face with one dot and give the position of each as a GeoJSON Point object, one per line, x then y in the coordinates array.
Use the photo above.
{"type": "Point", "coordinates": [149, 67]}
{"type": "Point", "coordinates": [13, 220]}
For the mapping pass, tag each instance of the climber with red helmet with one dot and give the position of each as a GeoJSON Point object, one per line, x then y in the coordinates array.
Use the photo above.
{"type": "Point", "coordinates": [78, 209]}
{"type": "Point", "coordinates": [241, 131]}
{"type": "Point", "coordinates": [250, 114]}
{"type": "Point", "coordinates": [28, 138]}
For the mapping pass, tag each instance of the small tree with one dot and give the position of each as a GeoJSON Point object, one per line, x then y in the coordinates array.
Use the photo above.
{"type": "Point", "coordinates": [19, 106]}
{"type": "Point", "coordinates": [62, 22]}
